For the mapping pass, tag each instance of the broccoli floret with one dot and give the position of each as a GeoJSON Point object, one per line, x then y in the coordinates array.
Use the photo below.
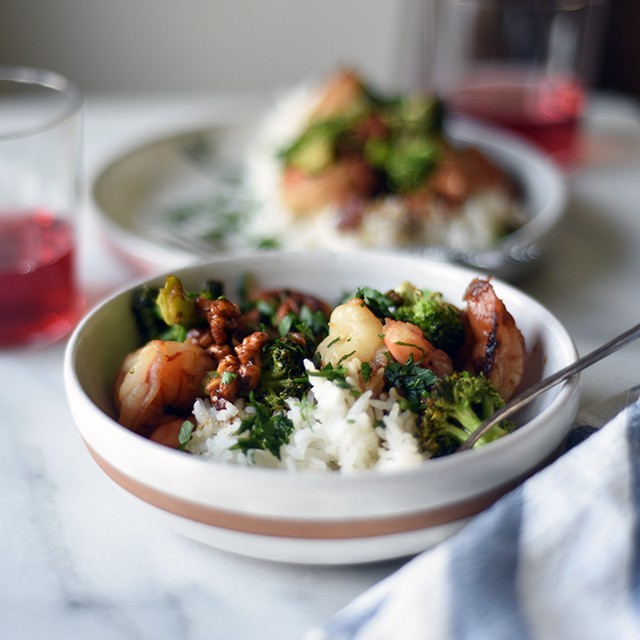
{"type": "Point", "coordinates": [409, 160]}
{"type": "Point", "coordinates": [315, 149]}
{"type": "Point", "coordinates": [283, 372]}
{"type": "Point", "coordinates": [457, 404]}
{"type": "Point", "coordinates": [440, 321]}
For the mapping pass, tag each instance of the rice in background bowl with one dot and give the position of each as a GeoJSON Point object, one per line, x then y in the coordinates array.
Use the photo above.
{"type": "Point", "coordinates": [324, 518]}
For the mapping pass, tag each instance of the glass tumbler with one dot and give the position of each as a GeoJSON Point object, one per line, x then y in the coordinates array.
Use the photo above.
{"type": "Point", "coordinates": [40, 142]}
{"type": "Point", "coordinates": [521, 64]}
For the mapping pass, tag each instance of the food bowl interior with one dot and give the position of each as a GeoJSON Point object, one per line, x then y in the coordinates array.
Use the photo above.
{"type": "Point", "coordinates": [109, 333]}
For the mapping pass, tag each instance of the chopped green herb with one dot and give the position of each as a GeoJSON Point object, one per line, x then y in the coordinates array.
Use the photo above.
{"type": "Point", "coordinates": [228, 377]}
{"type": "Point", "coordinates": [185, 434]}
{"type": "Point", "coordinates": [378, 303]}
{"type": "Point", "coordinates": [345, 358]}
{"type": "Point", "coordinates": [335, 374]}
{"type": "Point", "coordinates": [412, 381]}
{"type": "Point", "coordinates": [264, 430]}
{"type": "Point", "coordinates": [286, 324]}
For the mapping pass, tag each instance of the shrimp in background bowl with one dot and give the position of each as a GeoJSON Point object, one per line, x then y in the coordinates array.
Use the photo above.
{"type": "Point", "coordinates": [343, 165]}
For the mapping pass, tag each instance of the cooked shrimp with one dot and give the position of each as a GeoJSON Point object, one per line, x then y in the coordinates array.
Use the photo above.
{"type": "Point", "coordinates": [341, 94]}
{"type": "Point", "coordinates": [354, 332]}
{"type": "Point", "coordinates": [158, 380]}
{"type": "Point", "coordinates": [346, 178]}
{"type": "Point", "coordinates": [168, 433]}
{"type": "Point", "coordinates": [405, 340]}
{"type": "Point", "coordinates": [498, 348]}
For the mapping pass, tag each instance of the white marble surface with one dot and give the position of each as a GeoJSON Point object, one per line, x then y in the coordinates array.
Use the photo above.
{"type": "Point", "coordinates": [80, 560]}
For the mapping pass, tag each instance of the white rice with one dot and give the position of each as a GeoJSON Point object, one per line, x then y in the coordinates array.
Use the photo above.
{"type": "Point", "coordinates": [477, 224]}
{"type": "Point", "coordinates": [333, 430]}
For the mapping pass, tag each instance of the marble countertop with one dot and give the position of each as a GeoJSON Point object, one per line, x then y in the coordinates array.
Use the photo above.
{"type": "Point", "coordinates": [80, 559]}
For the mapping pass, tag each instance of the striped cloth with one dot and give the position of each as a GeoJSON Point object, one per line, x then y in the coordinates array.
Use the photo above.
{"type": "Point", "coordinates": [557, 558]}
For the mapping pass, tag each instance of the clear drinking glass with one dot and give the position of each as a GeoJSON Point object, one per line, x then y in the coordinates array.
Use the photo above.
{"type": "Point", "coordinates": [40, 142]}
{"type": "Point", "coordinates": [521, 64]}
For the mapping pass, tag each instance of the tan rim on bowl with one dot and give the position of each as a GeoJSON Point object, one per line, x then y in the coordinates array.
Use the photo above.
{"type": "Point", "coordinates": [311, 529]}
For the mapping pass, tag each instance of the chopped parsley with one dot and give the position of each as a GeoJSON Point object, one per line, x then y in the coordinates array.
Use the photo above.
{"type": "Point", "coordinates": [228, 377]}
{"type": "Point", "coordinates": [381, 305]}
{"type": "Point", "coordinates": [412, 382]}
{"type": "Point", "coordinates": [264, 430]}
{"type": "Point", "coordinates": [186, 431]}
{"type": "Point", "coordinates": [337, 375]}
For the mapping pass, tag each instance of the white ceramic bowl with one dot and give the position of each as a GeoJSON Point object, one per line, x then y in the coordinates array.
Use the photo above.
{"type": "Point", "coordinates": [317, 517]}
{"type": "Point", "coordinates": [136, 191]}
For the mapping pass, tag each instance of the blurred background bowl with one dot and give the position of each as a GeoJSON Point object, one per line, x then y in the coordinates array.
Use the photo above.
{"type": "Point", "coordinates": [164, 202]}
{"type": "Point", "coordinates": [321, 518]}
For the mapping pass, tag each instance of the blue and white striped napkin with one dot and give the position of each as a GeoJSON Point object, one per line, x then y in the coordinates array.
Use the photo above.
{"type": "Point", "coordinates": [557, 558]}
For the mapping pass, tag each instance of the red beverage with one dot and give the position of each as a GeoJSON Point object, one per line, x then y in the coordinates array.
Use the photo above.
{"type": "Point", "coordinates": [40, 300]}
{"type": "Point", "coordinates": [545, 110]}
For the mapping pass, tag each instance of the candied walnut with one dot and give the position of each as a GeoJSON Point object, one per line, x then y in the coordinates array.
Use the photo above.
{"type": "Point", "coordinates": [222, 385]}
{"type": "Point", "coordinates": [298, 338]}
{"type": "Point", "coordinates": [222, 316]}
{"type": "Point", "coordinates": [220, 351]}
{"type": "Point", "coordinates": [249, 353]}
{"type": "Point", "coordinates": [200, 337]}
{"type": "Point", "coordinates": [237, 373]}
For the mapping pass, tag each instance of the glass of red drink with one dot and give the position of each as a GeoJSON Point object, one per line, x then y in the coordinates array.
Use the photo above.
{"type": "Point", "coordinates": [40, 137]}
{"type": "Point", "coordinates": [520, 64]}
